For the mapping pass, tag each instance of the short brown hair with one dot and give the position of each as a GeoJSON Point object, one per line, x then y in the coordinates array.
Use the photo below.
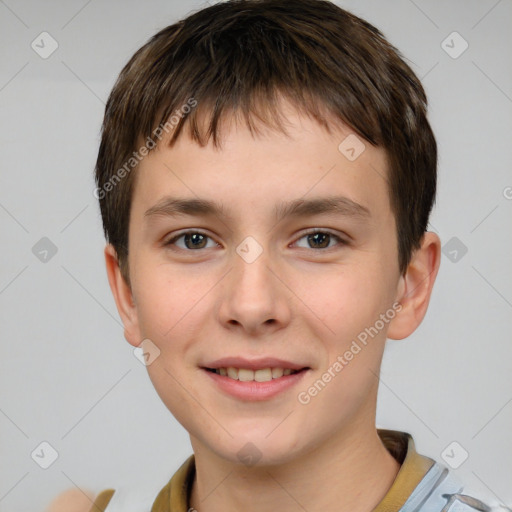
{"type": "Point", "coordinates": [239, 56]}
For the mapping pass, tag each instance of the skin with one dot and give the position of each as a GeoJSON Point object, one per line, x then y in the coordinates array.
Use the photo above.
{"type": "Point", "coordinates": [72, 500]}
{"type": "Point", "coordinates": [296, 301]}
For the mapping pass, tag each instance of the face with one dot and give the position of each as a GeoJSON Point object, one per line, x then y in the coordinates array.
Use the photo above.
{"type": "Point", "coordinates": [240, 273]}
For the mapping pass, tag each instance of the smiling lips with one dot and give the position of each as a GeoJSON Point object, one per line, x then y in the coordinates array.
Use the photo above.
{"type": "Point", "coordinates": [251, 385]}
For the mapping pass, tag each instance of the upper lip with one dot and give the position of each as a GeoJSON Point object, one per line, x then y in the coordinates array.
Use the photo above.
{"type": "Point", "coordinates": [254, 364]}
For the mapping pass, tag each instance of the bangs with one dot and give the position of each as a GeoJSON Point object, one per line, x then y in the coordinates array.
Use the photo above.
{"type": "Point", "coordinates": [204, 122]}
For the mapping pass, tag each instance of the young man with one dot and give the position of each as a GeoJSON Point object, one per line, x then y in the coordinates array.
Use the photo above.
{"type": "Point", "coordinates": [265, 176]}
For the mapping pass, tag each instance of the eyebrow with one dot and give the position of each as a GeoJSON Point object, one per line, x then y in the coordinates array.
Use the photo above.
{"type": "Point", "coordinates": [339, 205]}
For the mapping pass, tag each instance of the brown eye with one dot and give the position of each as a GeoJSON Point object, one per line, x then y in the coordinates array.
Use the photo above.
{"type": "Point", "coordinates": [319, 239]}
{"type": "Point", "coordinates": [192, 240]}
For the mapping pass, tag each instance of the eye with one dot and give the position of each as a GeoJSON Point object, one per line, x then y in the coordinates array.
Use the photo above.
{"type": "Point", "coordinates": [195, 240]}
{"type": "Point", "coordinates": [192, 239]}
{"type": "Point", "coordinates": [320, 239]}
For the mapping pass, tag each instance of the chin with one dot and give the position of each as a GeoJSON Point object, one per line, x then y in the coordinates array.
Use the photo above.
{"type": "Point", "coordinates": [259, 450]}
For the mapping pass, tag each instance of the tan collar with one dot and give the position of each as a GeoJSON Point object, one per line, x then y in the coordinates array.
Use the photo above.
{"type": "Point", "coordinates": [412, 470]}
{"type": "Point", "coordinates": [174, 496]}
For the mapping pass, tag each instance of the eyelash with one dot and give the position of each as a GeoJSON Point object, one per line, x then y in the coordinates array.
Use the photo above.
{"type": "Point", "coordinates": [341, 242]}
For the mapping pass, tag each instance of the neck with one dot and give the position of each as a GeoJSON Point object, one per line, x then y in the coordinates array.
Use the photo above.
{"type": "Point", "coordinates": [351, 472]}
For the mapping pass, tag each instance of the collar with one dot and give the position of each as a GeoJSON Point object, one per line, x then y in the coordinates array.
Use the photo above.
{"type": "Point", "coordinates": [175, 495]}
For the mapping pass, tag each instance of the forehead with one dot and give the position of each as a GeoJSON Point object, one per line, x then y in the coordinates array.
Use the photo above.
{"type": "Point", "coordinates": [263, 168]}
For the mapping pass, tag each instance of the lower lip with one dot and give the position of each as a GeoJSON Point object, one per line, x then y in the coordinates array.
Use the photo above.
{"type": "Point", "coordinates": [253, 390]}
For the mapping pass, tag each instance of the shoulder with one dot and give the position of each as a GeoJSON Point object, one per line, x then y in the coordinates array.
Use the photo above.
{"type": "Point", "coordinates": [149, 495]}
{"type": "Point", "coordinates": [440, 490]}
{"type": "Point", "coordinates": [425, 485]}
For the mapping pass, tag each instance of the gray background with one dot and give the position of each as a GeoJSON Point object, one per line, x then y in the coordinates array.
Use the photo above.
{"type": "Point", "coordinates": [68, 377]}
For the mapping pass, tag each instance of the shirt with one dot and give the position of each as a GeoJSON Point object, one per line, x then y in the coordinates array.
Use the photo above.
{"type": "Point", "coordinates": [420, 485]}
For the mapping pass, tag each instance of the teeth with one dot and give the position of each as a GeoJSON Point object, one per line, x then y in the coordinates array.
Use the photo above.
{"type": "Point", "coordinates": [263, 375]}
{"type": "Point", "coordinates": [232, 373]}
{"type": "Point", "coordinates": [247, 375]}
{"type": "Point", "coordinates": [277, 372]}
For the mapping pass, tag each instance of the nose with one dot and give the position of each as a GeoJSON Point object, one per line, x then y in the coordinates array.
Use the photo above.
{"type": "Point", "coordinates": [255, 298]}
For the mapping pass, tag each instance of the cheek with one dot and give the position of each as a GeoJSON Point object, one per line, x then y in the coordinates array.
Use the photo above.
{"type": "Point", "coordinates": [163, 298]}
{"type": "Point", "coordinates": [161, 302]}
{"type": "Point", "coordinates": [358, 299]}
{"type": "Point", "coordinates": [174, 310]}
{"type": "Point", "coordinates": [155, 311]}
{"type": "Point", "coordinates": [355, 296]}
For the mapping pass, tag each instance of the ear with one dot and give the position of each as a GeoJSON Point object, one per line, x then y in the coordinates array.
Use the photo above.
{"type": "Point", "coordinates": [123, 297]}
{"type": "Point", "coordinates": [415, 287]}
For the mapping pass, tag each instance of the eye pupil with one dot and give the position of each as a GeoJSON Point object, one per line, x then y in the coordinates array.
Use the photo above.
{"type": "Point", "coordinates": [195, 237]}
{"type": "Point", "coordinates": [315, 237]}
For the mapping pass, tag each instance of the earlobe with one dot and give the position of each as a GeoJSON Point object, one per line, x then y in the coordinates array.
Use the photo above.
{"type": "Point", "coordinates": [123, 297]}
{"type": "Point", "coordinates": [415, 287]}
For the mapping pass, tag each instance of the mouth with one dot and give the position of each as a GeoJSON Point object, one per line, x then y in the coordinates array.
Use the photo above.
{"type": "Point", "coordinates": [254, 380]}
{"type": "Point", "coordinates": [250, 379]}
